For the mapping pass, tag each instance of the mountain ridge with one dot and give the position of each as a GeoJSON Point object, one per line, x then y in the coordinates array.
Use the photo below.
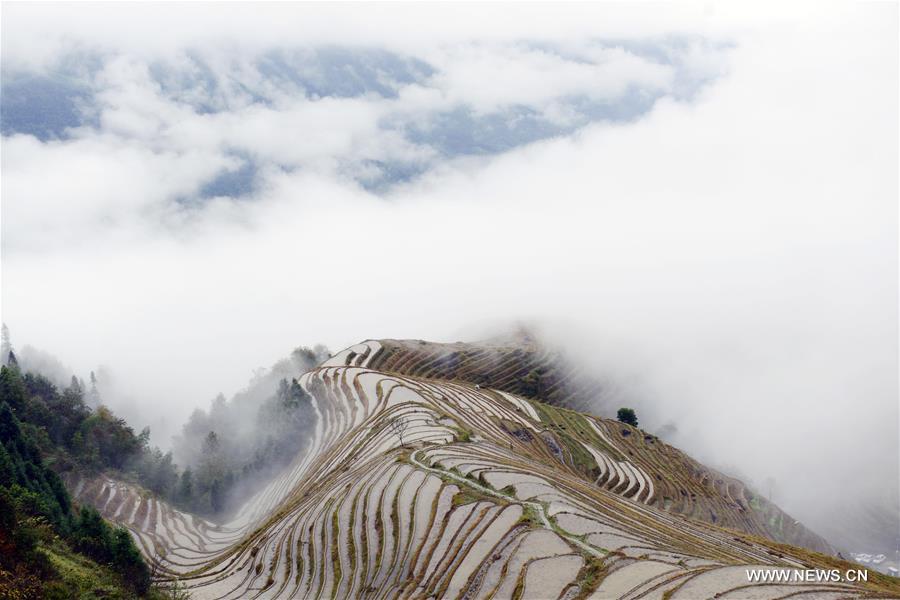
{"type": "Point", "coordinates": [477, 493]}
{"type": "Point", "coordinates": [506, 363]}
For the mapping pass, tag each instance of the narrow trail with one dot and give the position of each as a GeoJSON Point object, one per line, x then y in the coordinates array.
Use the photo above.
{"type": "Point", "coordinates": [538, 507]}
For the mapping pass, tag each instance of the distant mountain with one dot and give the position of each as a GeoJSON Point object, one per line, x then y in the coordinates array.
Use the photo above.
{"type": "Point", "coordinates": [431, 475]}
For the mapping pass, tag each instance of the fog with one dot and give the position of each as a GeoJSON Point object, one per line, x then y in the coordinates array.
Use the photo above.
{"type": "Point", "coordinates": [727, 254]}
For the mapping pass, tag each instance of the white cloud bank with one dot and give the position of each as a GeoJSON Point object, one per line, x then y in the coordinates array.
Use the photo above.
{"type": "Point", "coordinates": [732, 258]}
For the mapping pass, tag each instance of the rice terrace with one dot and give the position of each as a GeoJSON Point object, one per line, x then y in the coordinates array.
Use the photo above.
{"type": "Point", "coordinates": [449, 300]}
{"type": "Point", "coordinates": [480, 493]}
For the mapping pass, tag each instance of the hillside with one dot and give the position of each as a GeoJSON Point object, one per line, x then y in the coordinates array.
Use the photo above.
{"type": "Point", "coordinates": [419, 486]}
{"type": "Point", "coordinates": [518, 364]}
{"type": "Point", "coordinates": [523, 367]}
{"type": "Point", "coordinates": [49, 548]}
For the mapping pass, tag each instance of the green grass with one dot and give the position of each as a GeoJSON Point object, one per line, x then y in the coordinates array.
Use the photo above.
{"type": "Point", "coordinates": [80, 578]}
{"type": "Point", "coordinates": [469, 495]}
{"type": "Point", "coordinates": [335, 551]}
{"type": "Point", "coordinates": [462, 435]}
{"type": "Point", "coordinates": [530, 517]}
{"type": "Point", "coordinates": [590, 576]}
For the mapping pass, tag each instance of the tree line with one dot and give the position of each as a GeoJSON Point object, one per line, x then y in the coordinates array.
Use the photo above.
{"type": "Point", "coordinates": [46, 430]}
{"type": "Point", "coordinates": [36, 510]}
{"type": "Point", "coordinates": [224, 453]}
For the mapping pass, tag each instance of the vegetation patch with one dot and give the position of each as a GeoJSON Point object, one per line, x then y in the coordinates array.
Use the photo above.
{"type": "Point", "coordinates": [46, 546]}
{"type": "Point", "coordinates": [468, 495]}
{"type": "Point", "coordinates": [462, 434]}
{"type": "Point", "coordinates": [530, 517]}
{"type": "Point", "coordinates": [591, 575]}
{"type": "Point", "coordinates": [335, 551]}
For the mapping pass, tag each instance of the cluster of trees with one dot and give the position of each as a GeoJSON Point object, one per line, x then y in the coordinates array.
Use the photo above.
{"type": "Point", "coordinates": [72, 435]}
{"type": "Point", "coordinates": [236, 455]}
{"type": "Point", "coordinates": [224, 453]}
{"type": "Point", "coordinates": [35, 508]}
{"type": "Point", "coordinates": [533, 384]}
{"type": "Point", "coordinates": [229, 450]}
{"type": "Point", "coordinates": [47, 429]}
{"type": "Point", "coordinates": [64, 426]}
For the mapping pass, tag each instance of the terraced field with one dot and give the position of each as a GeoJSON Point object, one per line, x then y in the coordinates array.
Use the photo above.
{"type": "Point", "coordinates": [518, 365]}
{"type": "Point", "coordinates": [680, 484]}
{"type": "Point", "coordinates": [489, 495]}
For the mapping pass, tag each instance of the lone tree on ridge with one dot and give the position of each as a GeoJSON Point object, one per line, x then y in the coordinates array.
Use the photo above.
{"type": "Point", "coordinates": [398, 427]}
{"type": "Point", "coordinates": [627, 416]}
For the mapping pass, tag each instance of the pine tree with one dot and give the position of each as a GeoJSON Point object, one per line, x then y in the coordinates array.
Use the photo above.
{"type": "Point", "coordinates": [144, 438]}
{"type": "Point", "coordinates": [5, 344]}
{"type": "Point", "coordinates": [216, 495]}
{"type": "Point", "coordinates": [211, 444]}
{"type": "Point", "coordinates": [12, 388]}
{"type": "Point", "coordinates": [93, 393]}
{"type": "Point", "coordinates": [186, 488]}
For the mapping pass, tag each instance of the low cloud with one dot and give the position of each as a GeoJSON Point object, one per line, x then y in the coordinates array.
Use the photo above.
{"type": "Point", "coordinates": [728, 255]}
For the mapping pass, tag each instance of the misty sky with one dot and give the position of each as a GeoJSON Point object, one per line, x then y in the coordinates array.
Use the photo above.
{"type": "Point", "coordinates": [699, 201]}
